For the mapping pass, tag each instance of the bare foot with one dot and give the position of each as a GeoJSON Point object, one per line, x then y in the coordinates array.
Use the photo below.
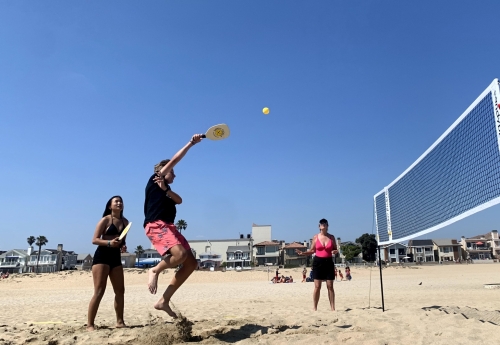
{"type": "Point", "coordinates": [91, 328]}
{"type": "Point", "coordinates": [166, 308]}
{"type": "Point", "coordinates": [152, 281]}
{"type": "Point", "coordinates": [120, 324]}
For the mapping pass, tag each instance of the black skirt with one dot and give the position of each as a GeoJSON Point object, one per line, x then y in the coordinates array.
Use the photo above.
{"type": "Point", "coordinates": [323, 268]}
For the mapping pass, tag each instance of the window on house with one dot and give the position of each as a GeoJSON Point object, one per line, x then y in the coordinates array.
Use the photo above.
{"type": "Point", "coordinates": [401, 251]}
{"type": "Point", "coordinates": [446, 249]}
{"type": "Point", "coordinates": [392, 251]}
{"type": "Point", "coordinates": [271, 249]}
{"type": "Point", "coordinates": [427, 249]}
{"type": "Point", "coordinates": [261, 250]}
{"type": "Point", "coordinates": [419, 250]}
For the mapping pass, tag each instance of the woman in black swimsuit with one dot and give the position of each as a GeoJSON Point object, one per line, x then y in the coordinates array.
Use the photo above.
{"type": "Point", "coordinates": [107, 260]}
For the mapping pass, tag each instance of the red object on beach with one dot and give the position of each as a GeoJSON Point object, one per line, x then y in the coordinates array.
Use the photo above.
{"type": "Point", "coordinates": [479, 243]}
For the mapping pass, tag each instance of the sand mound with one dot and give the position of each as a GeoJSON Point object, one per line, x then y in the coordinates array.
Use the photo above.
{"type": "Point", "coordinates": [166, 334]}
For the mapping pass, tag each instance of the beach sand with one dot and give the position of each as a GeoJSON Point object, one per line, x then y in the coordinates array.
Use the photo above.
{"type": "Point", "coordinates": [451, 304]}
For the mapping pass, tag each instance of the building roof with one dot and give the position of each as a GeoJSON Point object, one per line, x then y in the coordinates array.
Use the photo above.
{"type": "Point", "coordinates": [20, 251]}
{"type": "Point", "coordinates": [446, 242]}
{"type": "Point", "coordinates": [393, 244]}
{"type": "Point", "coordinates": [420, 243]}
{"type": "Point", "coordinates": [83, 256]}
{"type": "Point", "coordinates": [267, 243]}
{"type": "Point", "coordinates": [222, 240]}
{"type": "Point", "coordinates": [295, 245]}
{"type": "Point", "coordinates": [232, 249]}
{"type": "Point", "coordinates": [481, 237]}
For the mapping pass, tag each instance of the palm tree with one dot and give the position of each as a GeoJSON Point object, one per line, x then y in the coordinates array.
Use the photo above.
{"type": "Point", "coordinates": [40, 241]}
{"type": "Point", "coordinates": [31, 240]}
{"type": "Point", "coordinates": [181, 225]}
{"type": "Point", "coordinates": [139, 251]}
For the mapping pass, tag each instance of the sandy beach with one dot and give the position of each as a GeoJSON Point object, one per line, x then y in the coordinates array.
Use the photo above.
{"type": "Point", "coordinates": [451, 303]}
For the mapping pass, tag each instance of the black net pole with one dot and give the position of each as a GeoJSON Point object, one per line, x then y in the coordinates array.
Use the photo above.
{"type": "Point", "coordinates": [381, 283]}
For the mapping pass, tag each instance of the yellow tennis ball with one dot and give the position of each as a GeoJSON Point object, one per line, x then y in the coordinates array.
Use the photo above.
{"type": "Point", "coordinates": [265, 111]}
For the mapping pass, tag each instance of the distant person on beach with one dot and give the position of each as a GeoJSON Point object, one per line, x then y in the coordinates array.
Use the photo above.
{"type": "Point", "coordinates": [348, 273]}
{"type": "Point", "coordinates": [304, 274]}
{"type": "Point", "coordinates": [107, 260]}
{"type": "Point", "coordinates": [160, 211]}
{"type": "Point", "coordinates": [277, 274]}
{"type": "Point", "coordinates": [341, 275]}
{"type": "Point", "coordinates": [324, 246]}
{"type": "Point", "coordinates": [336, 273]}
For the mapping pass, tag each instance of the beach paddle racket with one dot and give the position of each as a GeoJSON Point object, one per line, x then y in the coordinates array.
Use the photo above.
{"type": "Point", "coordinates": [124, 232]}
{"type": "Point", "coordinates": [217, 132]}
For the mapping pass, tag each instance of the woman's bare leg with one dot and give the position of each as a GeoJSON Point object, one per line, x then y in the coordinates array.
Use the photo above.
{"type": "Point", "coordinates": [178, 255]}
{"type": "Point", "coordinates": [316, 293]}
{"type": "Point", "coordinates": [117, 280]}
{"type": "Point", "coordinates": [100, 274]}
{"type": "Point", "coordinates": [188, 266]}
{"type": "Point", "coordinates": [331, 294]}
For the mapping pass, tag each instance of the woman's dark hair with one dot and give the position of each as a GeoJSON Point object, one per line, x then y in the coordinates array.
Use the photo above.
{"type": "Point", "coordinates": [107, 210]}
{"type": "Point", "coordinates": [323, 221]}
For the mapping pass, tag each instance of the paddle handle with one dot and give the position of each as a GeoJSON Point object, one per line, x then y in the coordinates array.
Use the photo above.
{"type": "Point", "coordinates": [203, 136]}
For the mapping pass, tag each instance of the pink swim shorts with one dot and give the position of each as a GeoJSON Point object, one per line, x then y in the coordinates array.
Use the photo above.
{"type": "Point", "coordinates": [164, 236]}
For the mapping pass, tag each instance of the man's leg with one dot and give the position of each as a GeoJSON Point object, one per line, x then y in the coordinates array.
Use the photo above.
{"type": "Point", "coordinates": [178, 255]}
{"type": "Point", "coordinates": [188, 266]}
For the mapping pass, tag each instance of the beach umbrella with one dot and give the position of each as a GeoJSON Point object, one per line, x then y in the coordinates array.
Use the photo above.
{"type": "Point", "coordinates": [479, 243]}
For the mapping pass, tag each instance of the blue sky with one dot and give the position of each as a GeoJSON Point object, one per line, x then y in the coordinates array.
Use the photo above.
{"type": "Point", "coordinates": [93, 94]}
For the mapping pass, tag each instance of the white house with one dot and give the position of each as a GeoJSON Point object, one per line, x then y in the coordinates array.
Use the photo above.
{"type": "Point", "coordinates": [238, 256]}
{"type": "Point", "coordinates": [210, 259]}
{"type": "Point", "coordinates": [14, 261]}
{"type": "Point", "coordinates": [52, 260]}
{"type": "Point", "coordinates": [422, 250]}
{"type": "Point", "coordinates": [395, 252]}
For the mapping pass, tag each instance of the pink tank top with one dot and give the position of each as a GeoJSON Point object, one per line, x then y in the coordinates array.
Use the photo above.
{"type": "Point", "coordinates": [324, 251]}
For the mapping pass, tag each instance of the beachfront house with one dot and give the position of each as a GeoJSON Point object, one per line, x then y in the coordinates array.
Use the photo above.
{"type": "Point", "coordinates": [83, 262]}
{"type": "Point", "coordinates": [238, 256]}
{"type": "Point", "coordinates": [150, 254]}
{"type": "Point", "coordinates": [447, 250]}
{"type": "Point", "coordinates": [267, 253]}
{"type": "Point", "coordinates": [290, 258]}
{"type": "Point", "coordinates": [481, 247]}
{"type": "Point", "coordinates": [395, 253]}
{"type": "Point", "coordinates": [422, 250]}
{"type": "Point", "coordinates": [128, 260]}
{"type": "Point", "coordinates": [52, 260]}
{"type": "Point", "coordinates": [14, 261]}
{"type": "Point", "coordinates": [210, 260]}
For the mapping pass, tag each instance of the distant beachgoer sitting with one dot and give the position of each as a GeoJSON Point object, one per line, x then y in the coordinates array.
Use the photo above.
{"type": "Point", "coordinates": [1, 275]}
{"type": "Point", "coordinates": [6, 275]}
{"type": "Point", "coordinates": [304, 274]}
{"type": "Point", "coordinates": [290, 280]}
{"type": "Point", "coordinates": [348, 273]}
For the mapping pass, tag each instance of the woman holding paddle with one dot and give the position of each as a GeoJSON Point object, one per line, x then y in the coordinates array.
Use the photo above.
{"type": "Point", "coordinates": [107, 260]}
{"type": "Point", "coordinates": [160, 211]}
{"type": "Point", "coordinates": [324, 246]}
